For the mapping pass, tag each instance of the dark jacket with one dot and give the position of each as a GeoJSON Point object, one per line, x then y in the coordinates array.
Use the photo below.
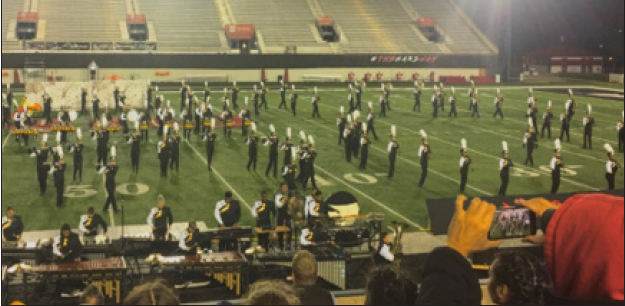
{"type": "Point", "coordinates": [448, 279]}
{"type": "Point", "coordinates": [314, 295]}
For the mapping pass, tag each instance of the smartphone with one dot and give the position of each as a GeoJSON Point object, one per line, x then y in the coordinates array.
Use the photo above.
{"type": "Point", "coordinates": [513, 222]}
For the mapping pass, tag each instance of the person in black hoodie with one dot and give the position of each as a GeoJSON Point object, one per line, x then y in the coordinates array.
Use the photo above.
{"type": "Point", "coordinates": [448, 278]}
{"type": "Point", "coordinates": [67, 246]}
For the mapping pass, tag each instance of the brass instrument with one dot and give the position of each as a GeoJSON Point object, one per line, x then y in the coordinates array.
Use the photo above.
{"type": "Point", "coordinates": [398, 230]}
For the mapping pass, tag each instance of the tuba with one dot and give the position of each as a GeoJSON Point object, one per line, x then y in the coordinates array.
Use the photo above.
{"type": "Point", "coordinates": [398, 230]}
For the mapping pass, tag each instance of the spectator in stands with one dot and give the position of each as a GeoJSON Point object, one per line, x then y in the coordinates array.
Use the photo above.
{"type": "Point", "coordinates": [583, 245]}
{"type": "Point", "coordinates": [271, 293]}
{"type": "Point", "coordinates": [391, 285]}
{"type": "Point", "coordinates": [305, 279]}
{"type": "Point", "coordinates": [448, 278]}
{"type": "Point", "coordinates": [516, 279]}
{"type": "Point", "coordinates": [92, 296]}
{"type": "Point", "coordinates": [152, 293]}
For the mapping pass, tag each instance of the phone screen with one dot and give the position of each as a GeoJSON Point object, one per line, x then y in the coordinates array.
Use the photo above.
{"type": "Point", "coordinates": [511, 223]}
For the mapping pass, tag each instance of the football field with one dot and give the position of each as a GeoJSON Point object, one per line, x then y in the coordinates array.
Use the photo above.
{"type": "Point", "coordinates": [193, 191]}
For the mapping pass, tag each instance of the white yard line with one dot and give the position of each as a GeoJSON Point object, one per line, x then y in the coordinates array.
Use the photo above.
{"type": "Point", "coordinates": [6, 141]}
{"type": "Point", "coordinates": [221, 178]}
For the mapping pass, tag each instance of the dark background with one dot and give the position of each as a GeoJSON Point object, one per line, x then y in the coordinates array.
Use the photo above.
{"type": "Point", "coordinates": [539, 24]}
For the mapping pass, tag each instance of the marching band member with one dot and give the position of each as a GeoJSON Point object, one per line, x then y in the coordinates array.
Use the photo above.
{"type": "Point", "coordinates": [207, 115]}
{"type": "Point", "coordinates": [557, 167]}
{"type": "Point", "coordinates": [256, 96]}
{"type": "Point", "coordinates": [424, 154]}
{"type": "Point", "coordinates": [315, 209]}
{"type": "Point", "coordinates": [589, 122]}
{"type": "Point", "coordinates": [164, 153]}
{"type": "Point", "coordinates": [476, 104]}
{"type": "Point", "coordinates": [465, 164]}
{"type": "Point", "coordinates": [441, 97]}
{"type": "Point", "coordinates": [371, 122]}
{"type": "Point", "coordinates": [566, 126]}
{"type": "Point", "coordinates": [42, 164]}
{"type": "Point", "coordinates": [174, 145]}
{"type": "Point", "coordinates": [273, 143]}
{"type": "Point", "coordinates": [530, 142]}
{"type": "Point", "coordinates": [207, 92]}
{"type": "Point", "coordinates": [228, 215]}
{"type": "Point", "coordinates": [47, 106]}
{"type": "Point", "coordinates": [530, 98]}
{"type": "Point", "coordinates": [364, 147]}
{"type": "Point", "coordinates": [190, 240]}
{"type": "Point", "coordinates": [341, 122]}
{"type": "Point", "coordinates": [6, 112]}
{"type": "Point", "coordinates": [77, 150]}
{"type": "Point", "coordinates": [198, 117]}
{"type": "Point", "coordinates": [290, 170]}
{"type": "Point", "coordinates": [351, 99]}
{"type": "Point", "coordinates": [235, 95]}
{"type": "Point", "coordinates": [283, 89]}
{"type": "Point", "coordinates": [227, 118]}
{"type": "Point", "coordinates": [417, 96]}
{"type": "Point", "coordinates": [383, 105]}
{"type": "Point", "coordinates": [83, 100]}
{"type": "Point", "coordinates": [246, 118]}
{"type": "Point", "coordinates": [12, 226]}
{"type": "Point", "coordinates": [532, 113]}
{"type": "Point", "coordinates": [294, 96]}
{"type": "Point", "coordinates": [160, 220]}
{"type": "Point", "coordinates": [149, 92]}
{"type": "Point", "coordinates": [187, 118]}
{"type": "Point", "coordinates": [435, 106]}
{"type": "Point", "coordinates": [393, 148]}
{"type": "Point", "coordinates": [356, 135]}
{"type": "Point", "coordinates": [547, 118]}
{"type": "Point", "coordinates": [308, 201]}
{"type": "Point", "coordinates": [135, 149]}
{"type": "Point", "coordinates": [287, 147]}
{"type": "Point", "coordinates": [95, 105]}
{"type": "Point", "coordinates": [123, 120]}
{"type": "Point", "coordinates": [612, 167]}
{"type": "Point", "coordinates": [452, 103]}
{"type": "Point", "coordinates": [211, 139]}
{"type": "Point", "coordinates": [359, 89]}
{"type": "Point", "coordinates": [67, 246]}
{"type": "Point", "coordinates": [264, 211]}
{"type": "Point", "coordinates": [504, 169]}
{"type": "Point", "coordinates": [386, 90]}
{"type": "Point", "coordinates": [315, 102]}
{"type": "Point", "coordinates": [347, 137]}
{"type": "Point", "coordinates": [184, 93]}
{"type": "Point", "coordinates": [90, 223]}
{"type": "Point", "coordinates": [284, 219]}
{"type": "Point", "coordinates": [471, 93]}
{"type": "Point", "coordinates": [58, 171]}
{"type": "Point", "coordinates": [252, 143]}
{"type": "Point", "coordinates": [263, 96]}
{"type": "Point", "coordinates": [498, 104]}
{"type": "Point", "coordinates": [145, 126]}
{"type": "Point", "coordinates": [571, 105]}
{"type": "Point", "coordinates": [110, 172]}
{"type": "Point", "coordinates": [311, 157]}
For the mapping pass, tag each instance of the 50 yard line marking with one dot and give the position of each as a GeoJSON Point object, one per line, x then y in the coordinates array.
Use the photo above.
{"type": "Point", "coordinates": [221, 178]}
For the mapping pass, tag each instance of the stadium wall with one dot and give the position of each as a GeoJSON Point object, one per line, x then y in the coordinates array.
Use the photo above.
{"type": "Point", "coordinates": [252, 75]}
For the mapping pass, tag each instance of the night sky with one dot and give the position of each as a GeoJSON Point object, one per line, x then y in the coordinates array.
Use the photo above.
{"type": "Point", "coordinates": [538, 24]}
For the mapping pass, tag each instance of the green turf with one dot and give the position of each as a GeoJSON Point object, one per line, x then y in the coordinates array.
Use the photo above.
{"type": "Point", "coordinates": [194, 191]}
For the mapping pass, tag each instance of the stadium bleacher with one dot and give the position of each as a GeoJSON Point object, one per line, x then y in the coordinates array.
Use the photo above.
{"type": "Point", "coordinates": [277, 29]}
{"type": "Point", "coordinates": [374, 26]}
{"type": "Point", "coordinates": [82, 20]}
{"type": "Point", "coordinates": [190, 27]}
{"type": "Point", "coordinates": [10, 8]}
{"type": "Point", "coordinates": [461, 38]}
